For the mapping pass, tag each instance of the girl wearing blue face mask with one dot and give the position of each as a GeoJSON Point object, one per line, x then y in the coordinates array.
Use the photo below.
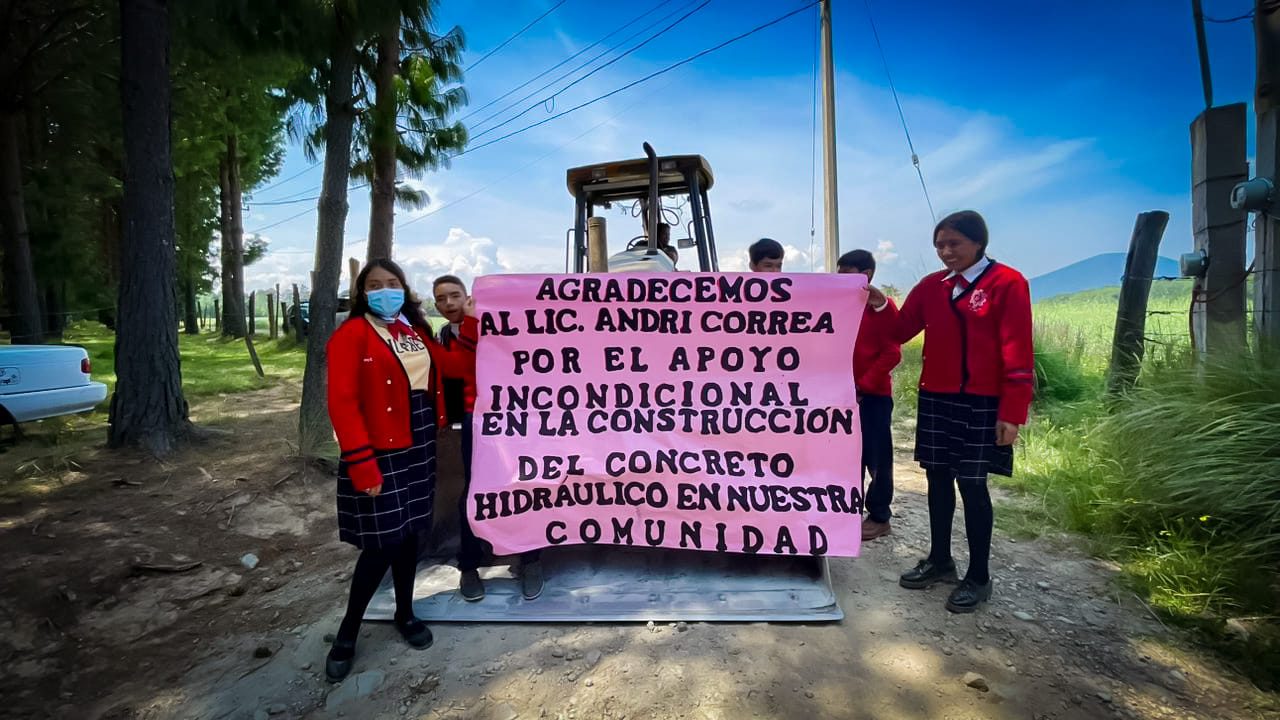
{"type": "Point", "coordinates": [386, 399]}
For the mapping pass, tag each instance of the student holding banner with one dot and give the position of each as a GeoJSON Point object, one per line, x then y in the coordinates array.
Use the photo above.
{"type": "Point", "coordinates": [975, 389]}
{"type": "Point", "coordinates": [385, 400]}
{"type": "Point", "coordinates": [460, 399]}
{"type": "Point", "coordinates": [875, 354]}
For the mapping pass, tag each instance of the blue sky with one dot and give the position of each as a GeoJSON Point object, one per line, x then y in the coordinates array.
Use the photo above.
{"type": "Point", "coordinates": [1059, 121]}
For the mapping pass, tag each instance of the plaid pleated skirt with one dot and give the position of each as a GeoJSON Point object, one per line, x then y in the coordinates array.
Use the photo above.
{"type": "Point", "coordinates": [403, 508]}
{"type": "Point", "coordinates": [957, 431]}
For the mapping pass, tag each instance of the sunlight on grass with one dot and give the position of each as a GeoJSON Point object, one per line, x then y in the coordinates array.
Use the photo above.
{"type": "Point", "coordinates": [211, 365]}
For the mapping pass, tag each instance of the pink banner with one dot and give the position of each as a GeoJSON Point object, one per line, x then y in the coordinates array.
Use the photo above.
{"type": "Point", "coordinates": [700, 411]}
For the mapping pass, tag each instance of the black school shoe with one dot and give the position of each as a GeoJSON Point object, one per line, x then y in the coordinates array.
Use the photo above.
{"type": "Point", "coordinates": [531, 580]}
{"type": "Point", "coordinates": [927, 573]}
{"type": "Point", "coordinates": [968, 596]}
{"type": "Point", "coordinates": [471, 586]}
{"type": "Point", "coordinates": [415, 632]}
{"type": "Point", "coordinates": [338, 663]}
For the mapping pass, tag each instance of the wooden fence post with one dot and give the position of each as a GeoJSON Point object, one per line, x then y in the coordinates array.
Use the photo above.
{"type": "Point", "coordinates": [253, 313]}
{"type": "Point", "coordinates": [253, 354]}
{"type": "Point", "coordinates": [1131, 312]}
{"type": "Point", "coordinates": [1218, 162]}
{"type": "Point", "coordinates": [271, 316]}
{"type": "Point", "coordinates": [297, 313]}
{"type": "Point", "coordinates": [1266, 304]}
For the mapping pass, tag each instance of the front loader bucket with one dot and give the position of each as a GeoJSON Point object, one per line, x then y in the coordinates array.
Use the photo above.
{"type": "Point", "coordinates": [606, 583]}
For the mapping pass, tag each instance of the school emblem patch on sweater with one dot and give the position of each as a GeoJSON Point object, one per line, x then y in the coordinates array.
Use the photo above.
{"type": "Point", "coordinates": [978, 301]}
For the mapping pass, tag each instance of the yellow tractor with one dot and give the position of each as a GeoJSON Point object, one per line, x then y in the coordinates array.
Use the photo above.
{"type": "Point", "coordinates": [608, 583]}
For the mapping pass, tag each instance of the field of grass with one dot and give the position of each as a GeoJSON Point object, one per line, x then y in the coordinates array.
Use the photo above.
{"type": "Point", "coordinates": [211, 365]}
{"type": "Point", "coordinates": [1073, 344]}
{"type": "Point", "coordinates": [1175, 482]}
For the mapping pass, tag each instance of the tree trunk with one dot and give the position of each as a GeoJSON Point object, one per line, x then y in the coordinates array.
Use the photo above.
{"type": "Point", "coordinates": [15, 241]}
{"type": "Point", "coordinates": [271, 315]}
{"type": "Point", "coordinates": [148, 408]}
{"type": "Point", "coordinates": [252, 320]}
{"type": "Point", "coordinates": [382, 144]}
{"type": "Point", "coordinates": [233, 324]}
{"type": "Point", "coordinates": [190, 307]}
{"type": "Point", "coordinates": [55, 308]}
{"type": "Point", "coordinates": [297, 316]}
{"type": "Point", "coordinates": [314, 430]}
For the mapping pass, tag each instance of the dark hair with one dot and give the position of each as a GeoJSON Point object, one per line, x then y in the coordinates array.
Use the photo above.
{"type": "Point", "coordinates": [969, 224]}
{"type": "Point", "coordinates": [765, 249]}
{"type": "Point", "coordinates": [859, 260]}
{"type": "Point", "coordinates": [448, 280]}
{"type": "Point", "coordinates": [412, 306]}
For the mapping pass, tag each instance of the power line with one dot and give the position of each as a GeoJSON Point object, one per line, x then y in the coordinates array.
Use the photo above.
{"type": "Point", "coordinates": [280, 222]}
{"type": "Point", "coordinates": [519, 32]}
{"type": "Point", "coordinates": [298, 215]}
{"type": "Point", "coordinates": [646, 78]}
{"type": "Point", "coordinates": [285, 202]}
{"type": "Point", "coordinates": [605, 96]}
{"type": "Point", "coordinates": [533, 162]}
{"type": "Point", "coordinates": [564, 75]}
{"type": "Point", "coordinates": [562, 62]}
{"type": "Point", "coordinates": [297, 200]}
{"type": "Point", "coordinates": [552, 96]}
{"type": "Point", "coordinates": [1224, 21]}
{"type": "Point", "coordinates": [915, 159]}
{"type": "Point", "coordinates": [294, 176]}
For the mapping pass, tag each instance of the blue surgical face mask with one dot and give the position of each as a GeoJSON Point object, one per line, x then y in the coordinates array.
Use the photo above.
{"type": "Point", "coordinates": [386, 303]}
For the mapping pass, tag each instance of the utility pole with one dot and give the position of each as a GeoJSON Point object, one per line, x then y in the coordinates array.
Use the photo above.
{"type": "Point", "coordinates": [1219, 161]}
{"type": "Point", "coordinates": [1266, 307]}
{"type": "Point", "coordinates": [830, 198]}
{"type": "Point", "coordinates": [1219, 153]}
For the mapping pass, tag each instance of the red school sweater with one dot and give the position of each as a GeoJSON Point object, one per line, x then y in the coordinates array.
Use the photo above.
{"type": "Point", "coordinates": [876, 352]}
{"type": "Point", "coordinates": [369, 391]}
{"type": "Point", "coordinates": [977, 343]}
{"type": "Point", "coordinates": [468, 375]}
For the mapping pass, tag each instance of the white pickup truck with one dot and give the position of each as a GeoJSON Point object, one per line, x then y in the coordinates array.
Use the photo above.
{"type": "Point", "coordinates": [42, 381]}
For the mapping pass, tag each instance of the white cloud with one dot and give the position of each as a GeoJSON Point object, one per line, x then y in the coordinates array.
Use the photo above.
{"type": "Point", "coordinates": [884, 253]}
{"type": "Point", "coordinates": [459, 253]}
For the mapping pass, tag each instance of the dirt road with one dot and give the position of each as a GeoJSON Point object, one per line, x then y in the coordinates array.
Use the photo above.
{"type": "Point", "coordinates": [103, 616]}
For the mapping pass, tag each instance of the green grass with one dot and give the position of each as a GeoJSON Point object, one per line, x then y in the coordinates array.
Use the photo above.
{"type": "Point", "coordinates": [211, 365]}
{"type": "Point", "coordinates": [1177, 482]}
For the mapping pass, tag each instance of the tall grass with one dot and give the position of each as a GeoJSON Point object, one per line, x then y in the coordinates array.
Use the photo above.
{"type": "Point", "coordinates": [1194, 475]}
{"type": "Point", "coordinates": [1178, 482]}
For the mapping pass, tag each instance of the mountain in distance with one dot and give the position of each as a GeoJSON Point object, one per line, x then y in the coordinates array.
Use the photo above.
{"type": "Point", "coordinates": [1099, 271]}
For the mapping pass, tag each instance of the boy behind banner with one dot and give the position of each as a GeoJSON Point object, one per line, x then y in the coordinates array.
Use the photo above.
{"type": "Point", "coordinates": [875, 355]}
{"type": "Point", "coordinates": [460, 397]}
